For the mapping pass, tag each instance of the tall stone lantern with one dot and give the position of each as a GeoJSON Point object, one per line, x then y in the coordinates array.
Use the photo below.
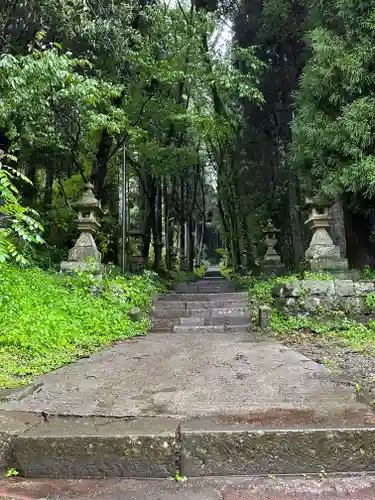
{"type": "Point", "coordinates": [322, 254]}
{"type": "Point", "coordinates": [85, 256]}
{"type": "Point", "coordinates": [271, 262]}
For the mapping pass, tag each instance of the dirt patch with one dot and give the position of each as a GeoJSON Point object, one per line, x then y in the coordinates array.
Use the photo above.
{"type": "Point", "coordinates": [351, 367]}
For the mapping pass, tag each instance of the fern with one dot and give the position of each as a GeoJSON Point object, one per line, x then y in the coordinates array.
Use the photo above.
{"type": "Point", "coordinates": [18, 224]}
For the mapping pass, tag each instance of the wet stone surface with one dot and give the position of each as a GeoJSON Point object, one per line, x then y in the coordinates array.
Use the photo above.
{"type": "Point", "coordinates": [228, 488]}
{"type": "Point", "coordinates": [163, 374]}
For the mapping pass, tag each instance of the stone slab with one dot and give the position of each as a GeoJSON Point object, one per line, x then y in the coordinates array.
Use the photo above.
{"type": "Point", "coordinates": [99, 447]}
{"type": "Point", "coordinates": [198, 329]}
{"type": "Point", "coordinates": [218, 450]}
{"type": "Point", "coordinates": [170, 375]}
{"type": "Point", "coordinates": [228, 320]}
{"type": "Point", "coordinates": [224, 304]}
{"type": "Point", "coordinates": [12, 424]}
{"type": "Point", "coordinates": [170, 313]}
{"type": "Point", "coordinates": [223, 328]}
{"type": "Point", "coordinates": [210, 297]}
{"type": "Point", "coordinates": [353, 487]}
{"type": "Point", "coordinates": [192, 321]}
{"type": "Point", "coordinates": [165, 306]}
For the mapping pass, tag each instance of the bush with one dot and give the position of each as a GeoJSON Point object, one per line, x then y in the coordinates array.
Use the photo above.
{"type": "Point", "coordinates": [47, 320]}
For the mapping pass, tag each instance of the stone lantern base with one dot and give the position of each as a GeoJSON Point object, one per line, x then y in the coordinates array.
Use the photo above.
{"type": "Point", "coordinates": [71, 267]}
{"type": "Point", "coordinates": [270, 268]}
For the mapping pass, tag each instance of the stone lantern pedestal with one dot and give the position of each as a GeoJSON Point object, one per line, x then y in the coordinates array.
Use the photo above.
{"type": "Point", "coordinates": [322, 254]}
{"type": "Point", "coordinates": [271, 264]}
{"type": "Point", "coordinates": [85, 256]}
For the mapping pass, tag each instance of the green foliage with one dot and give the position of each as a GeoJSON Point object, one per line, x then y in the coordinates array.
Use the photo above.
{"type": "Point", "coordinates": [47, 320]}
{"type": "Point", "coordinates": [177, 276]}
{"type": "Point", "coordinates": [367, 273]}
{"type": "Point", "coordinates": [143, 75]}
{"type": "Point", "coordinates": [334, 327]}
{"type": "Point", "coordinates": [12, 472]}
{"type": "Point", "coordinates": [62, 110]}
{"type": "Point", "coordinates": [17, 223]}
{"type": "Point", "coordinates": [334, 122]}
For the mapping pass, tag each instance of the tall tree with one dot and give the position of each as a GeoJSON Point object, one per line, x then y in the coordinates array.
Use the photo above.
{"type": "Point", "coordinates": [333, 147]}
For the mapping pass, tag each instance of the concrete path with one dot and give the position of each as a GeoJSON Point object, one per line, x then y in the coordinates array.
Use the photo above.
{"type": "Point", "coordinates": [228, 488]}
{"type": "Point", "coordinates": [200, 375]}
{"type": "Point", "coordinates": [202, 395]}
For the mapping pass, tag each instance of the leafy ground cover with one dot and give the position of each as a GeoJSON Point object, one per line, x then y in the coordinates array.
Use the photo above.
{"type": "Point", "coordinates": [48, 320]}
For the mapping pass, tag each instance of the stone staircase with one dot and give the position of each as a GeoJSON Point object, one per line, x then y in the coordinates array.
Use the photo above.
{"type": "Point", "coordinates": [202, 395]}
{"type": "Point", "coordinates": [208, 305]}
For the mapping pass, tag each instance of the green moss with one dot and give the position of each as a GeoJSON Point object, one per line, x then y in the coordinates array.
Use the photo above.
{"type": "Point", "coordinates": [48, 320]}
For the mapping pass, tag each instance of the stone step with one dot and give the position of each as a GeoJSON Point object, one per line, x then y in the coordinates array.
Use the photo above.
{"type": "Point", "coordinates": [99, 447]}
{"type": "Point", "coordinates": [261, 443]}
{"type": "Point", "coordinates": [212, 328]}
{"type": "Point", "coordinates": [209, 297]}
{"type": "Point", "coordinates": [198, 304]}
{"type": "Point", "coordinates": [174, 305]}
{"type": "Point", "coordinates": [206, 290]}
{"type": "Point", "coordinates": [216, 304]}
{"type": "Point", "coordinates": [209, 321]}
{"type": "Point", "coordinates": [169, 313]}
{"type": "Point", "coordinates": [213, 273]}
{"type": "Point", "coordinates": [182, 306]}
{"type": "Point", "coordinates": [164, 324]}
{"type": "Point", "coordinates": [220, 312]}
{"type": "Point", "coordinates": [224, 289]}
{"type": "Point", "coordinates": [221, 287]}
{"type": "Point", "coordinates": [211, 449]}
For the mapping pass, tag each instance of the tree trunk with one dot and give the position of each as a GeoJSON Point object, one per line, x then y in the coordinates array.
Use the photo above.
{"type": "Point", "coordinates": [182, 224]}
{"type": "Point", "coordinates": [28, 191]}
{"type": "Point", "coordinates": [158, 227]}
{"type": "Point", "coordinates": [296, 231]}
{"type": "Point", "coordinates": [48, 188]}
{"type": "Point", "coordinates": [100, 167]}
{"type": "Point", "coordinates": [338, 226]}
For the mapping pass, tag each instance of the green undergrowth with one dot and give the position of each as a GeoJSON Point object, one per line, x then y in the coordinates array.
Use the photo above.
{"type": "Point", "coordinates": [177, 276]}
{"type": "Point", "coordinates": [48, 320]}
{"type": "Point", "coordinates": [334, 327]}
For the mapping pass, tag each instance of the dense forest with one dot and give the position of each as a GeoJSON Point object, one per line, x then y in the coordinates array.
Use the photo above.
{"type": "Point", "coordinates": [216, 136]}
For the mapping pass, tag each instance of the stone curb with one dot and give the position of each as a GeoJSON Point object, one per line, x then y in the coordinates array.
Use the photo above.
{"type": "Point", "coordinates": [207, 451]}
{"type": "Point", "coordinates": [97, 447]}
{"type": "Point", "coordinates": [13, 424]}
{"type": "Point", "coordinates": [159, 447]}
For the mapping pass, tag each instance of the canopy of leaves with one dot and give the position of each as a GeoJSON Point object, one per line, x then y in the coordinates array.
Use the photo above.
{"type": "Point", "coordinates": [334, 126]}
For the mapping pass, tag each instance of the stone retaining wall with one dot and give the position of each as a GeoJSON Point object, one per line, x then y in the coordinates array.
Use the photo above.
{"type": "Point", "coordinates": [312, 297]}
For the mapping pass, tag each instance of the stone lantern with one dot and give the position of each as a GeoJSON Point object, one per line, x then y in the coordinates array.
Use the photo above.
{"type": "Point", "coordinates": [322, 254]}
{"type": "Point", "coordinates": [270, 240]}
{"type": "Point", "coordinates": [271, 262]}
{"type": "Point", "coordinates": [85, 256]}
